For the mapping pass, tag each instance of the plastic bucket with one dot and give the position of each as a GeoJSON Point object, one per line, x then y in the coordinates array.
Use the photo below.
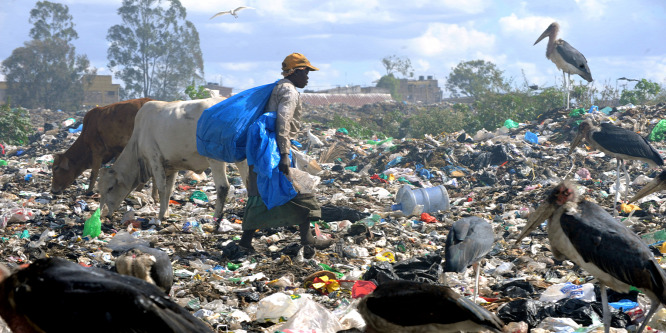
{"type": "Point", "coordinates": [432, 199]}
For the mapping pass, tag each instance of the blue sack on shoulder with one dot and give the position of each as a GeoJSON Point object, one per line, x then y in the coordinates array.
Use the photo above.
{"type": "Point", "coordinates": [222, 128]}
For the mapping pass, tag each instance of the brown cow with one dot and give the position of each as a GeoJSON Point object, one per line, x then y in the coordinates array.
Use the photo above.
{"type": "Point", "coordinates": [106, 131]}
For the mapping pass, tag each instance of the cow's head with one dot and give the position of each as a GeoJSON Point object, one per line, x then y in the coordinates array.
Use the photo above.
{"type": "Point", "coordinates": [63, 174]}
{"type": "Point", "coordinates": [112, 191]}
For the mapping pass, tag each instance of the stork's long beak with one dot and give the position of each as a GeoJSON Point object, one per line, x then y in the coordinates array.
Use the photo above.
{"type": "Point", "coordinates": [657, 184]}
{"type": "Point", "coordinates": [575, 142]}
{"type": "Point", "coordinates": [544, 212]}
{"type": "Point", "coordinates": [543, 35]}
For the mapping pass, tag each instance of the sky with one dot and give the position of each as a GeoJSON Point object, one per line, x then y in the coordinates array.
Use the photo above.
{"type": "Point", "coordinates": [347, 39]}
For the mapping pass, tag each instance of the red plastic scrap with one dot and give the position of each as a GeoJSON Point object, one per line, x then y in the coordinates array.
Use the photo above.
{"type": "Point", "coordinates": [427, 218]}
{"type": "Point", "coordinates": [362, 288]}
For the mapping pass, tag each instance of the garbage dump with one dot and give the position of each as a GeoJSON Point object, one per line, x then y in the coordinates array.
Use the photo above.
{"type": "Point", "coordinates": [389, 205]}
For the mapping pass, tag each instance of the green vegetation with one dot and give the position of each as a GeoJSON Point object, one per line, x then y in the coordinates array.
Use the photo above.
{"type": "Point", "coordinates": [643, 92]}
{"type": "Point", "coordinates": [197, 92]}
{"type": "Point", "coordinates": [15, 126]}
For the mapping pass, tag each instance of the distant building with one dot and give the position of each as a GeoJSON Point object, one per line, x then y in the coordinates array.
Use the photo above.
{"type": "Point", "coordinates": [3, 92]}
{"type": "Point", "coordinates": [355, 100]}
{"type": "Point", "coordinates": [223, 91]}
{"type": "Point", "coordinates": [355, 90]}
{"type": "Point", "coordinates": [423, 90]}
{"type": "Point", "coordinates": [102, 91]}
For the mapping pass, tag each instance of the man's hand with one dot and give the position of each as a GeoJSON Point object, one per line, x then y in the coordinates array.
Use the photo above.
{"type": "Point", "coordinates": [284, 164]}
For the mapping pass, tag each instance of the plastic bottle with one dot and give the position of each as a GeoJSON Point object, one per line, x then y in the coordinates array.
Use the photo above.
{"type": "Point", "coordinates": [432, 199]}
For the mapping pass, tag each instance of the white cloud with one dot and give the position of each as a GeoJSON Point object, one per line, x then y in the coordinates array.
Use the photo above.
{"type": "Point", "coordinates": [234, 27]}
{"type": "Point", "coordinates": [239, 66]}
{"type": "Point", "coordinates": [593, 7]}
{"type": "Point", "coordinates": [372, 75]}
{"type": "Point", "coordinates": [526, 26]}
{"type": "Point", "coordinates": [421, 65]}
{"type": "Point", "coordinates": [442, 38]}
{"type": "Point", "coordinates": [469, 6]}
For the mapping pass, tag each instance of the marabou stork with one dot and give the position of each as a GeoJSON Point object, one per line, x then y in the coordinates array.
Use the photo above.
{"type": "Point", "coordinates": [411, 307]}
{"type": "Point", "coordinates": [468, 241]}
{"type": "Point", "coordinates": [565, 56]}
{"type": "Point", "coordinates": [586, 234]}
{"type": "Point", "coordinates": [56, 295]}
{"type": "Point", "coordinates": [657, 184]}
{"type": "Point", "coordinates": [619, 143]}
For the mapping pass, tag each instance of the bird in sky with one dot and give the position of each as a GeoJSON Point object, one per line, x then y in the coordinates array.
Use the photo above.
{"type": "Point", "coordinates": [232, 12]}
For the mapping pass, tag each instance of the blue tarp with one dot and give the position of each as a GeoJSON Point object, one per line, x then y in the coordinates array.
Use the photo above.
{"type": "Point", "coordinates": [222, 128]}
{"type": "Point", "coordinates": [262, 152]}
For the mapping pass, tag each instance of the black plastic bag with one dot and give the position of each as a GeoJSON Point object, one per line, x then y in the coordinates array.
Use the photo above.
{"type": "Point", "coordinates": [526, 310]}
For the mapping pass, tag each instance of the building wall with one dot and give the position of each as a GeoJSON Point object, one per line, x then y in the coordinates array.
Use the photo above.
{"type": "Point", "coordinates": [3, 92]}
{"type": "Point", "coordinates": [421, 91]}
{"type": "Point", "coordinates": [102, 91]}
{"type": "Point", "coordinates": [223, 91]}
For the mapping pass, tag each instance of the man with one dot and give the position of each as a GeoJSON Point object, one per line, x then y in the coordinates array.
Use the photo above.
{"type": "Point", "coordinates": [285, 100]}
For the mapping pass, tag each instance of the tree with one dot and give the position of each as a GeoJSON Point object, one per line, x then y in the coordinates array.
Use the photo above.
{"type": "Point", "coordinates": [155, 51]}
{"type": "Point", "coordinates": [52, 20]}
{"type": "Point", "coordinates": [197, 93]}
{"type": "Point", "coordinates": [15, 126]}
{"type": "Point", "coordinates": [473, 78]}
{"type": "Point", "coordinates": [643, 92]}
{"type": "Point", "coordinates": [46, 71]}
{"type": "Point", "coordinates": [394, 64]}
{"type": "Point", "coordinates": [392, 84]}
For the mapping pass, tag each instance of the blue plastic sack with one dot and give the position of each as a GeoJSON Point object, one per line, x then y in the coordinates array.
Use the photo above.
{"type": "Point", "coordinates": [222, 128]}
{"type": "Point", "coordinates": [263, 153]}
{"type": "Point", "coordinates": [76, 130]}
{"type": "Point", "coordinates": [531, 137]}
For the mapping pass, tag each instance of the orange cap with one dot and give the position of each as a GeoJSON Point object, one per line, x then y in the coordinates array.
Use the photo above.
{"type": "Point", "coordinates": [296, 60]}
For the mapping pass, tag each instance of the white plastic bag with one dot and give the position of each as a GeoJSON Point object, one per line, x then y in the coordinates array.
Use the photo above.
{"type": "Point", "coordinates": [568, 290]}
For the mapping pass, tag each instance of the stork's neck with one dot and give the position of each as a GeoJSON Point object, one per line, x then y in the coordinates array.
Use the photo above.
{"type": "Point", "coordinates": [551, 45]}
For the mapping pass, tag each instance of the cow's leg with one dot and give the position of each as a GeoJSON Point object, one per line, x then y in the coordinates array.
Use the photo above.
{"type": "Point", "coordinates": [219, 170]}
{"type": "Point", "coordinates": [94, 172]}
{"type": "Point", "coordinates": [165, 194]}
{"type": "Point", "coordinates": [155, 194]}
{"type": "Point", "coordinates": [243, 169]}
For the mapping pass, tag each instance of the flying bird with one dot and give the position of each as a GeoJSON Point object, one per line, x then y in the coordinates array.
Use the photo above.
{"type": "Point", "coordinates": [566, 57]}
{"type": "Point", "coordinates": [232, 12]}
{"type": "Point", "coordinates": [586, 234]}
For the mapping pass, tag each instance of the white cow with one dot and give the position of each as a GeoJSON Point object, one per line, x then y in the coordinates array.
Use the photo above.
{"type": "Point", "coordinates": [162, 143]}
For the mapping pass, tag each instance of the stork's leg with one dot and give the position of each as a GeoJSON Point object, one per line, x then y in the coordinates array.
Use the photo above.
{"type": "Point", "coordinates": [568, 96]}
{"type": "Point", "coordinates": [617, 188]}
{"type": "Point", "coordinates": [604, 304]}
{"type": "Point", "coordinates": [564, 84]}
{"type": "Point", "coordinates": [626, 179]}
{"type": "Point", "coordinates": [476, 283]}
{"type": "Point", "coordinates": [654, 305]}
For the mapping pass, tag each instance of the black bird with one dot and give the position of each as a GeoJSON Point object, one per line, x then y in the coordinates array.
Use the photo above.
{"type": "Point", "coordinates": [586, 234]}
{"type": "Point", "coordinates": [468, 241]}
{"type": "Point", "coordinates": [56, 295]}
{"type": "Point", "coordinates": [566, 57]}
{"type": "Point", "coordinates": [411, 307]}
{"type": "Point", "coordinates": [657, 184]}
{"type": "Point", "coordinates": [619, 143]}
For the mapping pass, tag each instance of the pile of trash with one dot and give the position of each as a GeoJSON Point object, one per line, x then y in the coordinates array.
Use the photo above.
{"type": "Point", "coordinates": [372, 196]}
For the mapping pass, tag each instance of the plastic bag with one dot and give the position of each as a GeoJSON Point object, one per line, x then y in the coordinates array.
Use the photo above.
{"type": "Point", "coordinates": [531, 137]}
{"type": "Point", "coordinates": [510, 124]}
{"type": "Point", "coordinates": [559, 291]}
{"type": "Point", "coordinates": [276, 306]}
{"type": "Point", "coordinates": [263, 153]}
{"type": "Point", "coordinates": [657, 133]}
{"type": "Point", "coordinates": [311, 317]}
{"type": "Point", "coordinates": [93, 226]}
{"type": "Point", "coordinates": [222, 128]}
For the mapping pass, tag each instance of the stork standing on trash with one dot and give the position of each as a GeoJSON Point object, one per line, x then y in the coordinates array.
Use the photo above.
{"type": "Point", "coordinates": [619, 143]}
{"type": "Point", "coordinates": [586, 234]}
{"type": "Point", "coordinates": [468, 241]}
{"type": "Point", "coordinates": [564, 56]}
{"type": "Point", "coordinates": [408, 306]}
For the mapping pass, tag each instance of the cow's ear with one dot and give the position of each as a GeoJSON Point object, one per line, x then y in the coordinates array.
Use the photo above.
{"type": "Point", "coordinates": [65, 163]}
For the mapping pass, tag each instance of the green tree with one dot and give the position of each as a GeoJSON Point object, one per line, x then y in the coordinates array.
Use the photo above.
{"type": "Point", "coordinates": [46, 71]}
{"type": "Point", "coordinates": [155, 51]}
{"type": "Point", "coordinates": [392, 84]}
{"type": "Point", "coordinates": [643, 92]}
{"type": "Point", "coordinates": [476, 77]}
{"type": "Point", "coordinates": [52, 20]}
{"type": "Point", "coordinates": [15, 126]}
{"type": "Point", "coordinates": [394, 64]}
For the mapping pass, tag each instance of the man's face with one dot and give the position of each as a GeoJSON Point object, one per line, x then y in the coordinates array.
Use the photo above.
{"type": "Point", "coordinates": [300, 78]}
